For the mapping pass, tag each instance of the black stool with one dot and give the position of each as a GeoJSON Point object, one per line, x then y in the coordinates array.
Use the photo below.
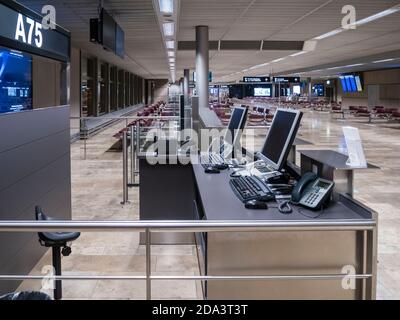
{"type": "Point", "coordinates": [56, 240]}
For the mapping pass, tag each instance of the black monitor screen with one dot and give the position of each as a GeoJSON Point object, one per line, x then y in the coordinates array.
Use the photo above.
{"type": "Point", "coordinates": [280, 137]}
{"type": "Point", "coordinates": [237, 122]}
{"type": "Point", "coordinates": [119, 42]}
{"type": "Point", "coordinates": [108, 30]}
{"type": "Point", "coordinates": [15, 81]}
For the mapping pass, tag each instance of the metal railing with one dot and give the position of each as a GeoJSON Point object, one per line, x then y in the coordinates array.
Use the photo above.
{"type": "Point", "coordinates": [84, 130]}
{"type": "Point", "coordinates": [150, 227]}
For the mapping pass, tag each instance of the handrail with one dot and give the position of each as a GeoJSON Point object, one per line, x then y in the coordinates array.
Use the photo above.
{"type": "Point", "coordinates": [185, 226]}
{"type": "Point", "coordinates": [193, 278]}
{"type": "Point", "coordinates": [129, 118]}
{"type": "Point", "coordinates": [181, 225]}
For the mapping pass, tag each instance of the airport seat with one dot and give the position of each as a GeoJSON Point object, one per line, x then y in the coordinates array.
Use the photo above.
{"type": "Point", "coordinates": [362, 112]}
{"type": "Point", "coordinates": [256, 119]}
{"type": "Point", "coordinates": [353, 109]}
{"type": "Point", "coordinates": [58, 241]}
{"type": "Point", "coordinates": [396, 115]}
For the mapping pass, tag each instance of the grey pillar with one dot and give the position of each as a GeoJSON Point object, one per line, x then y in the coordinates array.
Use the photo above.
{"type": "Point", "coordinates": [202, 65]}
{"type": "Point", "coordinates": [309, 89]}
{"type": "Point", "coordinates": [373, 96]}
{"type": "Point", "coordinates": [186, 75]}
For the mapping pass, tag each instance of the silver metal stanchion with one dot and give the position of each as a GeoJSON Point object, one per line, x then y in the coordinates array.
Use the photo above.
{"type": "Point", "coordinates": [85, 137]}
{"type": "Point", "coordinates": [134, 155]}
{"type": "Point", "coordinates": [125, 167]}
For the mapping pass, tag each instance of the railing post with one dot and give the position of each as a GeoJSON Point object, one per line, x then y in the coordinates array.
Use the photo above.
{"type": "Point", "coordinates": [148, 264]}
{"type": "Point", "coordinates": [125, 167]}
{"type": "Point", "coordinates": [85, 136]}
{"type": "Point", "coordinates": [137, 147]}
{"type": "Point", "coordinates": [133, 155]}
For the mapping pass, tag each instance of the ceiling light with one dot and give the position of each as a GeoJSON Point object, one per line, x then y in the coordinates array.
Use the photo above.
{"type": "Point", "coordinates": [377, 16]}
{"type": "Point", "coordinates": [329, 34]}
{"type": "Point", "coordinates": [361, 22]}
{"type": "Point", "coordinates": [278, 60]}
{"type": "Point", "coordinates": [166, 6]}
{"type": "Point", "coordinates": [386, 60]}
{"type": "Point", "coordinates": [171, 53]}
{"type": "Point", "coordinates": [168, 28]}
{"type": "Point", "coordinates": [354, 65]}
{"type": "Point", "coordinates": [170, 44]}
{"type": "Point", "coordinates": [333, 68]}
{"type": "Point", "coordinates": [298, 53]}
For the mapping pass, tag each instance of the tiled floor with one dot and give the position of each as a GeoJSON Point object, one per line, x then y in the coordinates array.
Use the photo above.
{"type": "Point", "coordinates": [97, 192]}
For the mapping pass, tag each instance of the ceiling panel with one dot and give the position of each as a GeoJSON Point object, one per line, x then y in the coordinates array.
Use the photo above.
{"type": "Point", "coordinates": [274, 20]}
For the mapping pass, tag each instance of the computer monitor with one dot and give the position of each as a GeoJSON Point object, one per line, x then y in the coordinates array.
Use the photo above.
{"type": "Point", "coordinates": [280, 138]}
{"type": "Point", "coordinates": [236, 124]}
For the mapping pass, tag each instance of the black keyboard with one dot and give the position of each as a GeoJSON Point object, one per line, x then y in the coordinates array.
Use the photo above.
{"type": "Point", "coordinates": [211, 159]}
{"type": "Point", "coordinates": [249, 188]}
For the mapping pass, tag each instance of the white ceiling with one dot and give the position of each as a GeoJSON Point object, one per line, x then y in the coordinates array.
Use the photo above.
{"type": "Point", "coordinates": [237, 20]}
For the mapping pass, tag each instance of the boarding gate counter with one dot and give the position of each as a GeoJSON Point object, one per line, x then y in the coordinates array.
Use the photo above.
{"type": "Point", "coordinates": [302, 258]}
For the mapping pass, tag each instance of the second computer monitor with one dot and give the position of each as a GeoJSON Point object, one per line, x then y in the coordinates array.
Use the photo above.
{"type": "Point", "coordinates": [280, 138]}
{"type": "Point", "coordinates": [236, 125]}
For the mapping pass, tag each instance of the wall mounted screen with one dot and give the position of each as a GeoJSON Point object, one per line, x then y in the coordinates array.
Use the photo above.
{"type": "Point", "coordinates": [15, 81]}
{"type": "Point", "coordinates": [359, 83]}
{"type": "Point", "coordinates": [108, 26]}
{"type": "Point", "coordinates": [344, 84]}
{"type": "Point", "coordinates": [297, 90]}
{"type": "Point", "coordinates": [119, 42]}
{"type": "Point", "coordinates": [319, 90]}
{"type": "Point", "coordinates": [351, 83]}
{"type": "Point", "coordinates": [262, 92]}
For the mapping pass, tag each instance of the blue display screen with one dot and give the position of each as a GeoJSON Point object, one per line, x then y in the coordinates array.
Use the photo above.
{"type": "Point", "coordinates": [348, 84]}
{"type": "Point", "coordinates": [344, 85]}
{"type": "Point", "coordinates": [319, 90]}
{"type": "Point", "coordinates": [15, 81]}
{"type": "Point", "coordinates": [353, 84]}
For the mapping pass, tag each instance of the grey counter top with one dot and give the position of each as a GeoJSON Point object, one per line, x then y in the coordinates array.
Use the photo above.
{"type": "Point", "coordinates": [331, 158]}
{"type": "Point", "coordinates": [220, 203]}
{"type": "Point", "coordinates": [300, 142]}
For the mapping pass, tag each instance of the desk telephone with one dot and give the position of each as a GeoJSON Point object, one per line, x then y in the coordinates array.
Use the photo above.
{"type": "Point", "coordinates": [312, 192]}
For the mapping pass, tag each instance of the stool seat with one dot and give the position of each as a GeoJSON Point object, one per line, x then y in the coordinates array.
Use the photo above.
{"type": "Point", "coordinates": [58, 238]}
{"type": "Point", "coordinates": [58, 243]}
{"type": "Point", "coordinates": [54, 238]}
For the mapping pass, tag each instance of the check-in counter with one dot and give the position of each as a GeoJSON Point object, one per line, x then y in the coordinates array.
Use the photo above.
{"type": "Point", "coordinates": [304, 255]}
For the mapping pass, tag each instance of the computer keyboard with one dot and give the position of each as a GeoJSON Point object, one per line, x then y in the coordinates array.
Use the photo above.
{"type": "Point", "coordinates": [248, 188]}
{"type": "Point", "coordinates": [211, 159]}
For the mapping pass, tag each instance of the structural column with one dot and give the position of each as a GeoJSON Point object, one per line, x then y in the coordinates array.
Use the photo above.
{"type": "Point", "coordinates": [202, 65]}
{"type": "Point", "coordinates": [309, 89]}
{"type": "Point", "coordinates": [186, 74]}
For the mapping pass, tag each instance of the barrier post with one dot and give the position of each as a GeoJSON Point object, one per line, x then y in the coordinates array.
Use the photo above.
{"type": "Point", "coordinates": [125, 167]}
{"type": "Point", "coordinates": [133, 155]}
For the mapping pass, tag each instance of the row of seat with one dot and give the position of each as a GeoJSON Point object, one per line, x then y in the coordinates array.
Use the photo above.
{"type": "Point", "coordinates": [378, 112]}
{"type": "Point", "coordinates": [157, 109]}
{"type": "Point", "coordinates": [257, 115]}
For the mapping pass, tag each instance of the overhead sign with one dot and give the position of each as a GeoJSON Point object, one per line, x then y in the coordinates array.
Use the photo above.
{"type": "Point", "coordinates": [22, 29]}
{"type": "Point", "coordinates": [256, 79]}
{"type": "Point", "coordinates": [286, 79]}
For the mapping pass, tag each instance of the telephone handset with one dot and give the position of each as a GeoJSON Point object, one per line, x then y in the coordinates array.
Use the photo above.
{"type": "Point", "coordinates": [311, 191]}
